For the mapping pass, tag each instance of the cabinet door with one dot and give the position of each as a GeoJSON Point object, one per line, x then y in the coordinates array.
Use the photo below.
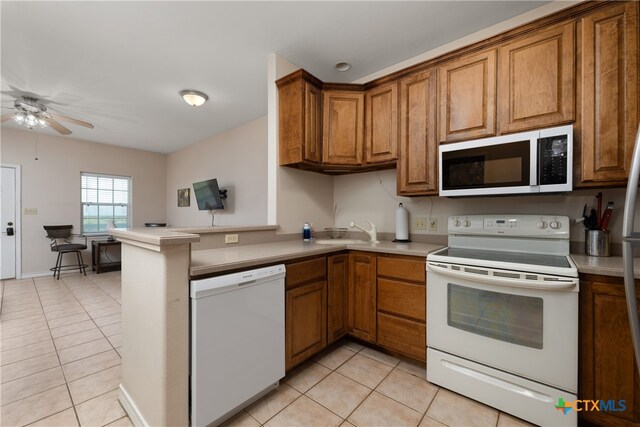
{"type": "Point", "coordinates": [468, 97]}
{"type": "Point", "coordinates": [342, 128]}
{"type": "Point", "coordinates": [312, 123]}
{"type": "Point", "coordinates": [306, 320]}
{"type": "Point", "coordinates": [418, 156]}
{"type": "Point", "coordinates": [337, 283]}
{"type": "Point", "coordinates": [299, 121]}
{"type": "Point", "coordinates": [362, 296]}
{"type": "Point", "coordinates": [608, 99]}
{"type": "Point", "coordinates": [381, 119]}
{"type": "Point", "coordinates": [536, 80]}
{"type": "Point", "coordinates": [607, 363]}
{"type": "Point", "coordinates": [403, 335]}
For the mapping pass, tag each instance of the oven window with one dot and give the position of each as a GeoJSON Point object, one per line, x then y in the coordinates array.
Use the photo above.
{"type": "Point", "coordinates": [512, 318]}
{"type": "Point", "coordinates": [503, 165]}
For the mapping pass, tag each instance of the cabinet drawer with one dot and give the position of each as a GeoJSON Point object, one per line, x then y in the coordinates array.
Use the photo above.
{"type": "Point", "coordinates": [305, 271]}
{"type": "Point", "coordinates": [404, 299]}
{"type": "Point", "coordinates": [411, 268]}
{"type": "Point", "coordinates": [404, 336]}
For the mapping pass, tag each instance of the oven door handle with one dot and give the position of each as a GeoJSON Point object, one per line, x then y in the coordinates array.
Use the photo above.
{"type": "Point", "coordinates": [490, 279]}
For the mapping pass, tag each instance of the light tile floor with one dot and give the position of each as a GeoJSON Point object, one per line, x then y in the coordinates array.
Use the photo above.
{"type": "Point", "coordinates": [60, 366]}
{"type": "Point", "coordinates": [60, 351]}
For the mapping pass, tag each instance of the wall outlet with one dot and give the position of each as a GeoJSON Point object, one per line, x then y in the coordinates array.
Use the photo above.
{"type": "Point", "coordinates": [433, 224]}
{"type": "Point", "coordinates": [231, 238]}
{"type": "Point", "coordinates": [30, 211]}
{"type": "Point", "coordinates": [419, 223]}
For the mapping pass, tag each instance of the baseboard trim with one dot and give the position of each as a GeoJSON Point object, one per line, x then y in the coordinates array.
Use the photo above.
{"type": "Point", "coordinates": [34, 275]}
{"type": "Point", "coordinates": [131, 408]}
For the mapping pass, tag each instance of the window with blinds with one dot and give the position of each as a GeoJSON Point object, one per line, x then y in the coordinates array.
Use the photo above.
{"type": "Point", "coordinates": [105, 199]}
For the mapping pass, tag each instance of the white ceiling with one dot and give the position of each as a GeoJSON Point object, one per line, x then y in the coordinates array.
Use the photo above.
{"type": "Point", "coordinates": [120, 65]}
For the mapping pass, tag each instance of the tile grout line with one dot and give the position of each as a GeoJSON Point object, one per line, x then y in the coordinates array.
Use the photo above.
{"type": "Point", "coordinates": [66, 383]}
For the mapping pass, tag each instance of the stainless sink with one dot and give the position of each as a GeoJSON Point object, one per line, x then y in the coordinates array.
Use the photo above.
{"type": "Point", "coordinates": [341, 242]}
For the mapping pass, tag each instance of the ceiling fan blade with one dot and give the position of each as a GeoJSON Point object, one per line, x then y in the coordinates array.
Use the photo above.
{"type": "Point", "coordinates": [57, 126]}
{"type": "Point", "coordinates": [7, 117]}
{"type": "Point", "coordinates": [70, 120]}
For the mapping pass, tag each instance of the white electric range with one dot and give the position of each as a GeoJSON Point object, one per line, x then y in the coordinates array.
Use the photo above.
{"type": "Point", "coordinates": [502, 315]}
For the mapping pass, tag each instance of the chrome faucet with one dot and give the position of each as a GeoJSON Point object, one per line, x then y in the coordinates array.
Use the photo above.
{"type": "Point", "coordinates": [373, 232]}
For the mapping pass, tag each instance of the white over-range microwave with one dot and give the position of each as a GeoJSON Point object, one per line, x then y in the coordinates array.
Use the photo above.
{"type": "Point", "coordinates": [539, 161]}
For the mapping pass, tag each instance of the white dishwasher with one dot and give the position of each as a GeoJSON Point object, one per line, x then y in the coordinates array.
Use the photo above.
{"type": "Point", "coordinates": [237, 341]}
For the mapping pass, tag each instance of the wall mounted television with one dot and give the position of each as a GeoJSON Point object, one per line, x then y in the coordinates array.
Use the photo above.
{"type": "Point", "coordinates": [208, 195]}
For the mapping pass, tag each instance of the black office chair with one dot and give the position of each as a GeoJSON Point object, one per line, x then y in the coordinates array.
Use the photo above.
{"type": "Point", "coordinates": [61, 242]}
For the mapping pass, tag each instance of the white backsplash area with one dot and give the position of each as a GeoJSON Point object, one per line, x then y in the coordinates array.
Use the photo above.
{"type": "Point", "coordinates": [372, 196]}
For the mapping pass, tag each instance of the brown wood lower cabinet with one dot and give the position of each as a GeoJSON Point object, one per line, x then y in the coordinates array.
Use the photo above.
{"type": "Point", "coordinates": [401, 305]}
{"type": "Point", "coordinates": [337, 284]}
{"type": "Point", "coordinates": [306, 310]}
{"type": "Point", "coordinates": [607, 364]}
{"type": "Point", "coordinates": [362, 296]}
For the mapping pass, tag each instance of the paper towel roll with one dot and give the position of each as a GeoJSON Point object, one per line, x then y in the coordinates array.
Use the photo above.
{"type": "Point", "coordinates": [402, 223]}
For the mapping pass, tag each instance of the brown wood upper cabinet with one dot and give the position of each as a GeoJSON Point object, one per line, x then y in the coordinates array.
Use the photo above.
{"type": "Point", "coordinates": [608, 94]}
{"type": "Point", "coordinates": [300, 119]}
{"type": "Point", "coordinates": [381, 124]}
{"type": "Point", "coordinates": [468, 97]}
{"type": "Point", "coordinates": [418, 157]}
{"type": "Point", "coordinates": [361, 318]}
{"type": "Point", "coordinates": [536, 79]}
{"type": "Point", "coordinates": [607, 363]}
{"type": "Point", "coordinates": [343, 128]}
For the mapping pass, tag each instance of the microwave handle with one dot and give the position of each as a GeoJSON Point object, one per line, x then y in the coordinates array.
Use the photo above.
{"type": "Point", "coordinates": [534, 160]}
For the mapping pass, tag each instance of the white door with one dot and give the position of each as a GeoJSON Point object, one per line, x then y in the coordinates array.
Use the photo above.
{"type": "Point", "coordinates": [8, 223]}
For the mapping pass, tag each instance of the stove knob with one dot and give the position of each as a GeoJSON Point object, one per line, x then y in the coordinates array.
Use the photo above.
{"type": "Point", "coordinates": [556, 225]}
{"type": "Point", "coordinates": [541, 224]}
{"type": "Point", "coordinates": [467, 223]}
{"type": "Point", "coordinates": [456, 223]}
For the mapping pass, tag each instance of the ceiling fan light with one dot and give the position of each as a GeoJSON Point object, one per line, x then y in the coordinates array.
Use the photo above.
{"type": "Point", "coordinates": [42, 123]}
{"type": "Point", "coordinates": [19, 118]}
{"type": "Point", "coordinates": [193, 97]}
{"type": "Point", "coordinates": [30, 120]}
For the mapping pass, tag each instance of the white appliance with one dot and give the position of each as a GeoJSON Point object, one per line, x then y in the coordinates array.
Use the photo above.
{"type": "Point", "coordinates": [502, 315]}
{"type": "Point", "coordinates": [631, 238]}
{"type": "Point", "coordinates": [538, 161]}
{"type": "Point", "coordinates": [237, 341]}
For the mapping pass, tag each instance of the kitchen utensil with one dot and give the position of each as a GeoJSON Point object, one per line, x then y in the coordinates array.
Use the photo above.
{"type": "Point", "coordinates": [596, 242]}
{"type": "Point", "coordinates": [599, 203]}
{"type": "Point", "coordinates": [606, 216]}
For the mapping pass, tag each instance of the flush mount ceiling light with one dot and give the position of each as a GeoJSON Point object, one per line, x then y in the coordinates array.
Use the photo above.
{"type": "Point", "coordinates": [194, 97]}
{"type": "Point", "coordinates": [343, 66]}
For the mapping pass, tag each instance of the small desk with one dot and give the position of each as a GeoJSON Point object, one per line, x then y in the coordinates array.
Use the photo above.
{"type": "Point", "coordinates": [100, 248]}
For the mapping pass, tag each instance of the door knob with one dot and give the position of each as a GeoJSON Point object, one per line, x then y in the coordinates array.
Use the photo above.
{"type": "Point", "coordinates": [9, 231]}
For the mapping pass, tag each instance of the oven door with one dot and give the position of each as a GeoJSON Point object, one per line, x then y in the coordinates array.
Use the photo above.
{"type": "Point", "coordinates": [521, 323]}
{"type": "Point", "coordinates": [499, 165]}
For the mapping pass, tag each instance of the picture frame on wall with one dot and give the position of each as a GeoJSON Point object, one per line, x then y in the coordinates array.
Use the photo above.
{"type": "Point", "coordinates": [184, 197]}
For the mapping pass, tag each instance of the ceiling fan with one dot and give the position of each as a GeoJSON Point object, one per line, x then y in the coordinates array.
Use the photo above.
{"type": "Point", "coordinates": [31, 114]}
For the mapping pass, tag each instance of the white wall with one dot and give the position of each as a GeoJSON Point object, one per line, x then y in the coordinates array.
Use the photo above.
{"type": "Point", "coordinates": [372, 196]}
{"type": "Point", "coordinates": [51, 184]}
{"type": "Point", "coordinates": [238, 159]}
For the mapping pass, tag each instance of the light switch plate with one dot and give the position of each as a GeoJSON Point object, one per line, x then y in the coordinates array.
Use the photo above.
{"type": "Point", "coordinates": [30, 211]}
{"type": "Point", "coordinates": [433, 224]}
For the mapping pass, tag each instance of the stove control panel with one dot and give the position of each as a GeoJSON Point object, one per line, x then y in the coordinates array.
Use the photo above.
{"type": "Point", "coordinates": [512, 225]}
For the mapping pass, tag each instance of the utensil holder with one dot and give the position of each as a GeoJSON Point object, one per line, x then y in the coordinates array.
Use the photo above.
{"type": "Point", "coordinates": [596, 243]}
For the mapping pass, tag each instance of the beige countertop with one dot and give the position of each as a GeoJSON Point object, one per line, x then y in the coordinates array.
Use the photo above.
{"type": "Point", "coordinates": [156, 236]}
{"type": "Point", "coordinates": [605, 266]}
{"type": "Point", "coordinates": [208, 261]}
